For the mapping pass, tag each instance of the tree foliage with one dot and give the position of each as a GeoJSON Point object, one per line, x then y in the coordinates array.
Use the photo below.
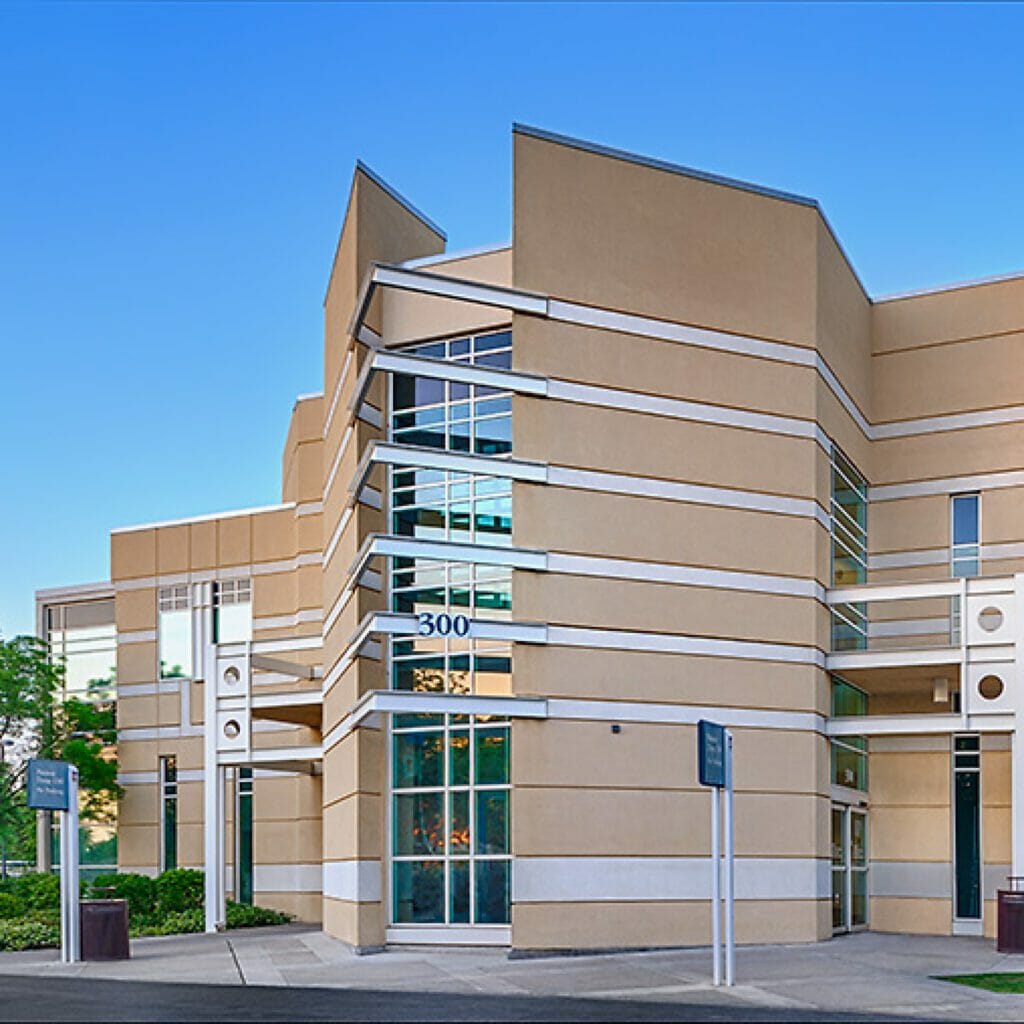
{"type": "Point", "coordinates": [36, 722]}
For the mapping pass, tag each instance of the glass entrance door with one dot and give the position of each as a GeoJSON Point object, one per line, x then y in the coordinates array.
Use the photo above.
{"type": "Point", "coordinates": [849, 868]}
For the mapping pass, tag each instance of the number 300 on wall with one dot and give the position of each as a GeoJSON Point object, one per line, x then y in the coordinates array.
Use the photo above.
{"type": "Point", "coordinates": [442, 624]}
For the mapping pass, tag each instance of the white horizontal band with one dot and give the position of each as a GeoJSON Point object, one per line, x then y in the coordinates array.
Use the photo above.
{"type": "Point", "coordinates": [287, 621]}
{"type": "Point", "coordinates": [306, 878]}
{"type": "Point", "coordinates": [355, 881]}
{"type": "Point", "coordinates": [673, 643]}
{"type": "Point", "coordinates": [947, 485]}
{"type": "Point", "coordinates": [664, 879]}
{"type": "Point", "coordinates": [208, 517]}
{"type": "Point", "coordinates": [137, 636]}
{"type": "Point", "coordinates": [697, 494]}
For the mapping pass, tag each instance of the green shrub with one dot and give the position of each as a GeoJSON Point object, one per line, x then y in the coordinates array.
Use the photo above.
{"type": "Point", "coordinates": [138, 890]}
{"type": "Point", "coordinates": [180, 922]}
{"type": "Point", "coordinates": [179, 889]}
{"type": "Point", "coordinates": [38, 891]}
{"type": "Point", "coordinates": [241, 915]}
{"type": "Point", "coordinates": [15, 935]}
{"type": "Point", "coordinates": [10, 907]}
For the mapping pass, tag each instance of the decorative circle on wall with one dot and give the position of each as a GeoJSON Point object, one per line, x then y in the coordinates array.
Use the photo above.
{"type": "Point", "coordinates": [232, 728]}
{"type": "Point", "coordinates": [991, 687]}
{"type": "Point", "coordinates": [990, 619]}
{"type": "Point", "coordinates": [232, 676]}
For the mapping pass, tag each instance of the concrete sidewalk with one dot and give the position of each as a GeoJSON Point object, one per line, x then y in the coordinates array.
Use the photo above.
{"type": "Point", "coordinates": [865, 973]}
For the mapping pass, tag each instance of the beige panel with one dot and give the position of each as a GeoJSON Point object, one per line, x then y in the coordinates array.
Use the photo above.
{"type": "Point", "coordinates": [136, 846]}
{"type": "Point", "coordinates": [138, 805]}
{"type": "Point", "coordinates": [952, 453]}
{"type": "Point", "coordinates": [135, 609]}
{"type": "Point", "coordinates": [614, 441]}
{"type": "Point", "coordinates": [203, 545]}
{"type": "Point", "coordinates": [359, 924]}
{"type": "Point", "coordinates": [996, 778]}
{"type": "Point", "coordinates": [969, 311]}
{"type": "Point", "coordinates": [234, 541]}
{"type": "Point", "coordinates": [913, 916]}
{"type": "Point", "coordinates": [411, 317]}
{"type": "Point", "coordinates": [660, 823]}
{"type": "Point", "coordinates": [910, 524]}
{"type": "Point", "coordinates": [614, 233]}
{"type": "Point", "coordinates": [622, 925]}
{"type": "Point", "coordinates": [910, 833]}
{"type": "Point", "coordinates": [274, 594]}
{"type": "Point", "coordinates": [136, 663]}
{"type": "Point", "coordinates": [273, 536]}
{"type": "Point", "coordinates": [132, 554]}
{"type": "Point", "coordinates": [982, 374]}
{"type": "Point", "coordinates": [1001, 514]}
{"type": "Point", "coordinates": [303, 907]}
{"type": "Point", "coordinates": [842, 429]}
{"type": "Point", "coordinates": [631, 362]}
{"type": "Point", "coordinates": [671, 678]}
{"type": "Point", "coordinates": [356, 763]}
{"type": "Point", "coordinates": [898, 779]}
{"type": "Point", "coordinates": [136, 712]}
{"type": "Point", "coordinates": [287, 798]}
{"type": "Point", "coordinates": [283, 842]}
{"type": "Point", "coordinates": [172, 549]}
{"type": "Point", "coordinates": [666, 608]}
{"type": "Point", "coordinates": [844, 320]}
{"type": "Point", "coordinates": [567, 754]}
{"type": "Point", "coordinates": [353, 828]}
{"type": "Point", "coordinates": [624, 526]}
{"type": "Point", "coordinates": [997, 840]}
{"type": "Point", "coordinates": [137, 755]}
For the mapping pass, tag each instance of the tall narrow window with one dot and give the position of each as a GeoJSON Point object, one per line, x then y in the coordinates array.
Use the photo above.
{"type": "Point", "coordinates": [168, 813]}
{"type": "Point", "coordinates": [243, 851]}
{"type": "Point", "coordinates": [450, 785]}
{"type": "Point", "coordinates": [967, 902]}
{"type": "Point", "coordinates": [175, 632]}
{"type": "Point", "coordinates": [965, 534]}
{"type": "Point", "coordinates": [232, 611]}
{"type": "Point", "coordinates": [849, 753]}
{"type": "Point", "coordinates": [849, 516]}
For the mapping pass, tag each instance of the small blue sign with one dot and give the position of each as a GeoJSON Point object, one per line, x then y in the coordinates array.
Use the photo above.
{"type": "Point", "coordinates": [48, 786]}
{"type": "Point", "coordinates": [710, 753]}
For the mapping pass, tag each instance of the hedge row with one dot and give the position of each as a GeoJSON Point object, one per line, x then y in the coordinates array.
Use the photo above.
{"type": "Point", "coordinates": [170, 904]}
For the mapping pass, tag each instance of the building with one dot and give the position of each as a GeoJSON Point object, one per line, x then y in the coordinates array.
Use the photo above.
{"type": "Point", "coordinates": [659, 459]}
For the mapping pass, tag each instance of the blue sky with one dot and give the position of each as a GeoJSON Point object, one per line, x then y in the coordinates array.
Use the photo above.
{"type": "Point", "coordinates": [172, 179]}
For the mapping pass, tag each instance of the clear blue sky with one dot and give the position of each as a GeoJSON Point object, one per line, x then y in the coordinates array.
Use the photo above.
{"type": "Point", "coordinates": [172, 179]}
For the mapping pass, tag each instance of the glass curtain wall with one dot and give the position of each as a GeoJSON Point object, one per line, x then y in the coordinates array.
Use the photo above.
{"type": "Point", "coordinates": [849, 515]}
{"type": "Point", "coordinates": [450, 851]}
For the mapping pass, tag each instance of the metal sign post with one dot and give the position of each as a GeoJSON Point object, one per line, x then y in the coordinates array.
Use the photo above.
{"type": "Point", "coordinates": [53, 786]}
{"type": "Point", "coordinates": [714, 769]}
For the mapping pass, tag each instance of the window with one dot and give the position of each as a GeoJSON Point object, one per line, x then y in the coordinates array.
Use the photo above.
{"type": "Point", "coordinates": [232, 611]}
{"type": "Point", "coordinates": [451, 415]}
{"type": "Point", "coordinates": [849, 753]}
{"type": "Point", "coordinates": [849, 517]}
{"type": "Point", "coordinates": [965, 534]}
{"type": "Point", "coordinates": [243, 848]}
{"type": "Point", "coordinates": [175, 632]}
{"type": "Point", "coordinates": [168, 813]}
{"type": "Point", "coordinates": [82, 634]}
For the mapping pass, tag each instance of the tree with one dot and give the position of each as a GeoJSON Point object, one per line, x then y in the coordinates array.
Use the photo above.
{"type": "Point", "coordinates": [35, 722]}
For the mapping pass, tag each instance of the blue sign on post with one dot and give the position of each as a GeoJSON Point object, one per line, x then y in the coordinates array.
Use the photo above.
{"type": "Point", "coordinates": [48, 785]}
{"type": "Point", "coordinates": [710, 753]}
